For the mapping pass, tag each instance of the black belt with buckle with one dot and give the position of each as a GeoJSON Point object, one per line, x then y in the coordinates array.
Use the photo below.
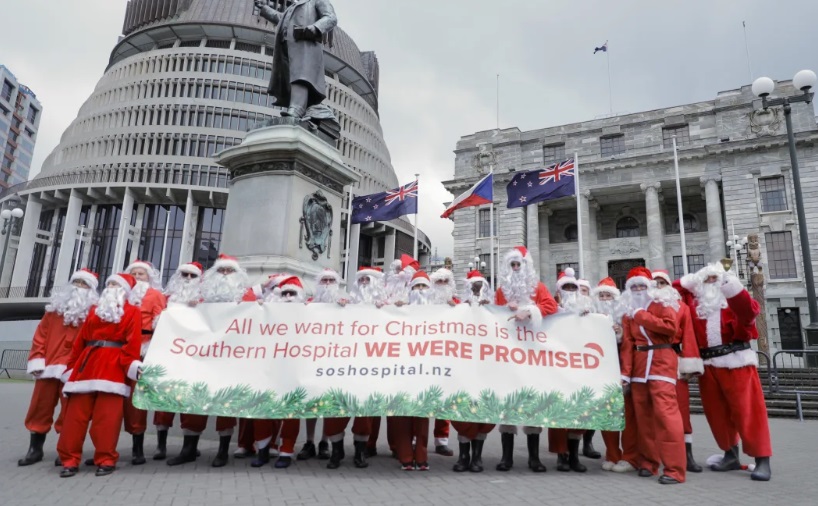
{"type": "Point", "coordinates": [665, 346]}
{"type": "Point", "coordinates": [147, 332]}
{"type": "Point", "coordinates": [99, 344]}
{"type": "Point", "coordinates": [725, 349]}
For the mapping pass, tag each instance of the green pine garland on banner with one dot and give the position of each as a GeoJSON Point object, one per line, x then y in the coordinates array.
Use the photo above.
{"type": "Point", "coordinates": [584, 408]}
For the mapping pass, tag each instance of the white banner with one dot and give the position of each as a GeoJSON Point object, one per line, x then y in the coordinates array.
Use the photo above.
{"type": "Point", "coordinates": [321, 360]}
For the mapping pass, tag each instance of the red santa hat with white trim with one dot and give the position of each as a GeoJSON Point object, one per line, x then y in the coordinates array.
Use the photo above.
{"type": "Point", "coordinates": [567, 277]}
{"type": "Point", "coordinates": [518, 254]}
{"type": "Point", "coordinates": [124, 280]}
{"type": "Point", "coordinates": [585, 283]}
{"type": "Point", "coordinates": [420, 278]}
{"type": "Point", "coordinates": [663, 274]}
{"type": "Point", "coordinates": [226, 261]}
{"type": "Point", "coordinates": [475, 276]}
{"type": "Point", "coordinates": [372, 272]}
{"type": "Point", "coordinates": [292, 283]}
{"type": "Point", "coordinates": [194, 268]}
{"type": "Point", "coordinates": [89, 277]}
{"type": "Point", "coordinates": [607, 285]}
{"type": "Point", "coordinates": [639, 276]}
{"type": "Point", "coordinates": [408, 261]}
{"type": "Point", "coordinates": [141, 264]}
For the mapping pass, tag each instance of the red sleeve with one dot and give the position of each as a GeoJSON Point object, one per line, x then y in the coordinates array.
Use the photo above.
{"type": "Point", "coordinates": [499, 298]}
{"type": "Point", "coordinates": [658, 319]}
{"type": "Point", "coordinates": [132, 332]}
{"type": "Point", "coordinates": [746, 310]}
{"type": "Point", "coordinates": [626, 350]}
{"type": "Point", "coordinates": [456, 300]}
{"type": "Point", "coordinates": [690, 347]}
{"type": "Point", "coordinates": [79, 341]}
{"type": "Point", "coordinates": [545, 301]}
{"type": "Point", "coordinates": [40, 338]}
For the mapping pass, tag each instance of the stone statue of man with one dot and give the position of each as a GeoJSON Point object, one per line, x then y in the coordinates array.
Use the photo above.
{"type": "Point", "coordinates": [298, 55]}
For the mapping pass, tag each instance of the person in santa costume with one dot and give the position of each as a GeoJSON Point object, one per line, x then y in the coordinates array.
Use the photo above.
{"type": "Point", "coordinates": [224, 282]}
{"type": "Point", "coordinates": [365, 279]}
{"type": "Point", "coordinates": [104, 355]}
{"type": "Point", "coordinates": [650, 368]}
{"type": "Point", "coordinates": [184, 287]}
{"type": "Point", "coordinates": [472, 435]}
{"type": "Point", "coordinates": [50, 351]}
{"type": "Point", "coordinates": [147, 296]}
{"type": "Point", "coordinates": [724, 316]}
{"type": "Point", "coordinates": [625, 458]}
{"type": "Point", "coordinates": [565, 442]}
{"type": "Point", "coordinates": [522, 292]}
{"type": "Point", "coordinates": [690, 363]}
{"type": "Point", "coordinates": [410, 433]}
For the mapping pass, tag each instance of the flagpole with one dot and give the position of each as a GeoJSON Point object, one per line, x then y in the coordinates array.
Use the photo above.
{"type": "Point", "coordinates": [679, 207]}
{"type": "Point", "coordinates": [498, 101]}
{"type": "Point", "coordinates": [349, 234]}
{"type": "Point", "coordinates": [747, 50]}
{"type": "Point", "coordinates": [610, 92]}
{"type": "Point", "coordinates": [491, 229]}
{"type": "Point", "coordinates": [415, 256]}
{"type": "Point", "coordinates": [579, 215]}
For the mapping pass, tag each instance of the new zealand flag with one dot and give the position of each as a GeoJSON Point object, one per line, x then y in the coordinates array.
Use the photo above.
{"type": "Point", "coordinates": [386, 205]}
{"type": "Point", "coordinates": [535, 186]}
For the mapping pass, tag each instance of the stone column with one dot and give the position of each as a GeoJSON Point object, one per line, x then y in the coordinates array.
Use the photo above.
{"type": "Point", "coordinates": [352, 251]}
{"type": "Point", "coordinates": [69, 239]}
{"type": "Point", "coordinates": [715, 225]}
{"type": "Point", "coordinates": [533, 232]}
{"type": "Point", "coordinates": [123, 235]}
{"type": "Point", "coordinates": [585, 229]}
{"type": "Point", "coordinates": [389, 248]}
{"type": "Point", "coordinates": [544, 266]}
{"type": "Point", "coordinates": [25, 246]}
{"type": "Point", "coordinates": [656, 238]}
{"type": "Point", "coordinates": [592, 262]}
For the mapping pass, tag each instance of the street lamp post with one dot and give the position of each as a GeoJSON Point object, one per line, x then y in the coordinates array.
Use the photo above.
{"type": "Point", "coordinates": [738, 246]}
{"type": "Point", "coordinates": [762, 87]}
{"type": "Point", "coordinates": [9, 216]}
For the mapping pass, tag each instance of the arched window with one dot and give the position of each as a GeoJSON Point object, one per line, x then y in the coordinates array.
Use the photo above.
{"type": "Point", "coordinates": [690, 222]}
{"type": "Point", "coordinates": [627, 227]}
{"type": "Point", "coordinates": [571, 233]}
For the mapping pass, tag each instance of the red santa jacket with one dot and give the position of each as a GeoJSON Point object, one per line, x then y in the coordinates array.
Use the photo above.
{"type": "Point", "coordinates": [152, 305]}
{"type": "Point", "coordinates": [51, 347]}
{"type": "Point", "coordinates": [690, 362]}
{"type": "Point", "coordinates": [543, 303]}
{"type": "Point", "coordinates": [94, 368]}
{"type": "Point", "coordinates": [733, 324]}
{"type": "Point", "coordinates": [656, 325]}
{"type": "Point", "coordinates": [253, 294]}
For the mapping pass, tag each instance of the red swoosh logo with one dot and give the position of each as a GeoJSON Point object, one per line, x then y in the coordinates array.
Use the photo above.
{"type": "Point", "coordinates": [597, 348]}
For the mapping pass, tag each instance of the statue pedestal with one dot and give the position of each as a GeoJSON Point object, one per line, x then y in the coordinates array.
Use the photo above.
{"type": "Point", "coordinates": [284, 209]}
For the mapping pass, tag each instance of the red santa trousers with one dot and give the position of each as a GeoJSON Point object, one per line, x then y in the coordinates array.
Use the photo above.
{"type": "Point", "coordinates": [193, 425]}
{"type": "Point", "coordinates": [629, 451]}
{"type": "Point", "coordinates": [289, 434]}
{"type": "Point", "coordinates": [163, 419]}
{"type": "Point", "coordinates": [376, 431]}
{"type": "Point", "coordinates": [734, 406]}
{"type": "Point", "coordinates": [661, 436]}
{"type": "Point", "coordinates": [441, 432]}
{"type": "Point", "coordinates": [44, 399]}
{"type": "Point", "coordinates": [263, 432]}
{"type": "Point", "coordinates": [104, 412]}
{"type": "Point", "coordinates": [469, 431]}
{"type": "Point", "coordinates": [247, 436]}
{"type": "Point", "coordinates": [558, 439]}
{"type": "Point", "coordinates": [136, 420]}
{"type": "Point", "coordinates": [405, 429]}
{"type": "Point", "coordinates": [683, 398]}
{"type": "Point", "coordinates": [361, 428]}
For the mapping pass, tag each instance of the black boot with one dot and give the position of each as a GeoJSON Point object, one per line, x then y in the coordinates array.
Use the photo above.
{"type": "Point", "coordinates": [307, 451]}
{"type": "Point", "coordinates": [337, 455]}
{"type": "Point", "coordinates": [138, 455]}
{"type": "Point", "coordinates": [105, 470]}
{"type": "Point", "coordinates": [534, 454]}
{"type": "Point", "coordinates": [573, 456]}
{"type": "Point", "coordinates": [588, 445]}
{"type": "Point", "coordinates": [762, 472]}
{"type": "Point", "coordinates": [221, 455]}
{"type": "Point", "coordinates": [323, 450]}
{"type": "Point", "coordinates": [68, 472]}
{"type": "Point", "coordinates": [562, 463]}
{"type": "Point", "coordinates": [161, 445]}
{"type": "Point", "coordinates": [262, 457]}
{"type": "Point", "coordinates": [507, 461]}
{"type": "Point", "coordinates": [692, 466]}
{"type": "Point", "coordinates": [57, 462]}
{"type": "Point", "coordinates": [464, 460]}
{"type": "Point", "coordinates": [189, 451]}
{"type": "Point", "coordinates": [730, 462]}
{"type": "Point", "coordinates": [360, 455]}
{"type": "Point", "coordinates": [476, 456]}
{"type": "Point", "coordinates": [35, 450]}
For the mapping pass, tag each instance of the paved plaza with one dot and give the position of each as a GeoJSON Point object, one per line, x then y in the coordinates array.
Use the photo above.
{"type": "Point", "coordinates": [310, 483]}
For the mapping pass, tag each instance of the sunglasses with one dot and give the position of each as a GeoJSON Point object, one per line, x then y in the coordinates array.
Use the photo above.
{"type": "Point", "coordinates": [288, 294]}
{"type": "Point", "coordinates": [225, 270]}
{"type": "Point", "coordinates": [189, 275]}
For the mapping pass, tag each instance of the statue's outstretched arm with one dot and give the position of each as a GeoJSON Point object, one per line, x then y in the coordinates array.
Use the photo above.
{"type": "Point", "coordinates": [268, 12]}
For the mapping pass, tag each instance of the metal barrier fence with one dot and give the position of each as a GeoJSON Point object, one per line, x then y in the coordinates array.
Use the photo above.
{"type": "Point", "coordinates": [800, 360]}
{"type": "Point", "coordinates": [15, 360]}
{"type": "Point", "coordinates": [25, 292]}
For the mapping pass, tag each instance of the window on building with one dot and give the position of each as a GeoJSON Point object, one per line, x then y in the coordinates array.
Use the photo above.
{"type": "Point", "coordinates": [563, 266]}
{"type": "Point", "coordinates": [38, 258]}
{"type": "Point", "coordinates": [208, 236]}
{"type": "Point", "coordinates": [484, 229]}
{"type": "Point", "coordinates": [553, 153]}
{"type": "Point", "coordinates": [773, 194]}
{"type": "Point", "coordinates": [485, 258]}
{"type": "Point", "coordinates": [789, 328]}
{"type": "Point", "coordinates": [156, 219]}
{"type": "Point", "coordinates": [690, 223]}
{"type": "Point", "coordinates": [694, 264]}
{"type": "Point", "coordinates": [33, 112]}
{"type": "Point", "coordinates": [612, 145]}
{"type": "Point", "coordinates": [221, 44]}
{"type": "Point", "coordinates": [4, 111]}
{"type": "Point", "coordinates": [191, 43]}
{"type": "Point", "coordinates": [682, 134]}
{"type": "Point", "coordinates": [8, 90]}
{"type": "Point", "coordinates": [571, 233]}
{"type": "Point", "coordinates": [103, 240]}
{"type": "Point", "coordinates": [627, 227]}
{"type": "Point", "coordinates": [780, 255]}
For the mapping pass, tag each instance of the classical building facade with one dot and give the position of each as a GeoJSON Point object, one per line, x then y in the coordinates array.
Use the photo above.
{"type": "Point", "coordinates": [735, 179]}
{"type": "Point", "coordinates": [134, 176]}
{"type": "Point", "coordinates": [20, 113]}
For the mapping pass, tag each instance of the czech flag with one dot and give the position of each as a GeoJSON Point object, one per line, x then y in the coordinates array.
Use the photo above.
{"type": "Point", "coordinates": [479, 194]}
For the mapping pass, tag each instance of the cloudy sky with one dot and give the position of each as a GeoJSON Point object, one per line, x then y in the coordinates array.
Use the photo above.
{"type": "Point", "coordinates": [439, 61]}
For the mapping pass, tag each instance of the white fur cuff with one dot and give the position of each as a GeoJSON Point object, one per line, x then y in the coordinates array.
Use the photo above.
{"type": "Point", "coordinates": [35, 365]}
{"type": "Point", "coordinates": [133, 369]}
{"type": "Point", "coordinates": [66, 375]}
{"type": "Point", "coordinates": [691, 366]}
{"type": "Point", "coordinates": [534, 311]}
{"type": "Point", "coordinates": [732, 287]}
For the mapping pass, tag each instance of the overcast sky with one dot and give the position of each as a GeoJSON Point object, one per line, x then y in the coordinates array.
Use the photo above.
{"type": "Point", "coordinates": [439, 61]}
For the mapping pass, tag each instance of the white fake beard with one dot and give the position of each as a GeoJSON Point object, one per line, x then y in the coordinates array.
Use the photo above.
{"type": "Point", "coordinates": [138, 293]}
{"type": "Point", "coordinates": [636, 300]}
{"type": "Point", "coordinates": [183, 290]}
{"type": "Point", "coordinates": [709, 300]}
{"type": "Point", "coordinates": [482, 296]}
{"type": "Point", "coordinates": [575, 302]}
{"type": "Point", "coordinates": [396, 286]}
{"type": "Point", "coordinates": [442, 294]}
{"type": "Point", "coordinates": [327, 293]}
{"type": "Point", "coordinates": [73, 303]}
{"type": "Point", "coordinates": [368, 294]}
{"type": "Point", "coordinates": [421, 297]}
{"type": "Point", "coordinates": [218, 287]}
{"type": "Point", "coordinates": [667, 296]}
{"type": "Point", "coordinates": [110, 307]}
{"type": "Point", "coordinates": [518, 286]}
{"type": "Point", "coordinates": [606, 307]}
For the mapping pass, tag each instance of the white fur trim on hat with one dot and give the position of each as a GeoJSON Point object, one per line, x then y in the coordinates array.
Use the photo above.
{"type": "Point", "coordinates": [606, 289]}
{"type": "Point", "coordinates": [89, 278]}
{"type": "Point", "coordinates": [442, 274]}
{"type": "Point", "coordinates": [329, 273]}
{"type": "Point", "coordinates": [297, 289]}
{"type": "Point", "coordinates": [140, 265]}
{"type": "Point", "coordinates": [189, 269]}
{"type": "Point", "coordinates": [372, 273]}
{"type": "Point", "coordinates": [663, 275]}
{"type": "Point", "coordinates": [116, 278]}
{"type": "Point", "coordinates": [569, 276]}
{"type": "Point", "coordinates": [419, 281]}
{"type": "Point", "coordinates": [638, 280]}
{"type": "Point", "coordinates": [514, 254]}
{"type": "Point", "coordinates": [471, 281]}
{"type": "Point", "coordinates": [223, 262]}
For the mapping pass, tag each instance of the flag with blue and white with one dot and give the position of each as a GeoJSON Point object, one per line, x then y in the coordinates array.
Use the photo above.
{"type": "Point", "coordinates": [603, 48]}
{"type": "Point", "coordinates": [534, 186]}
{"type": "Point", "coordinates": [386, 205]}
